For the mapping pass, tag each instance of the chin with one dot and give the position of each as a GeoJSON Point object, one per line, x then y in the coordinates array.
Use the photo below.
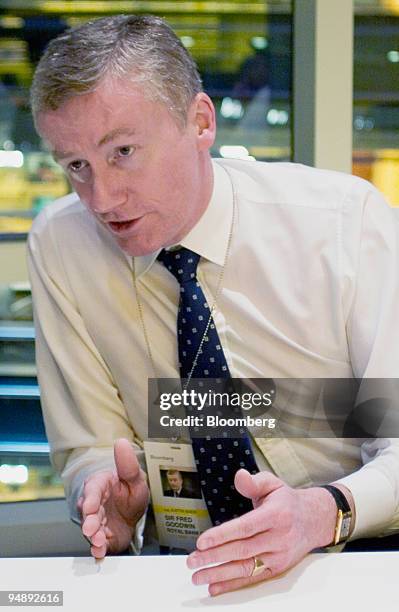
{"type": "Point", "coordinates": [138, 249]}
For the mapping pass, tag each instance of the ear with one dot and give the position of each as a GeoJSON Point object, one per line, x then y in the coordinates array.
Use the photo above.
{"type": "Point", "coordinates": [203, 119]}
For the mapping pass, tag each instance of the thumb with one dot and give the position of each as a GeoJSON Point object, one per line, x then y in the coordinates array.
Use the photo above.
{"type": "Point", "coordinates": [127, 465]}
{"type": "Point", "coordinates": [256, 486]}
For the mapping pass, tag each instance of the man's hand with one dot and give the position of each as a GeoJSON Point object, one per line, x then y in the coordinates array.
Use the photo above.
{"type": "Point", "coordinates": [284, 526]}
{"type": "Point", "coordinates": [113, 502]}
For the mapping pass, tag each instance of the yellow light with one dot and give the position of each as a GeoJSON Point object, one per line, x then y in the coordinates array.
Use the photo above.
{"type": "Point", "coordinates": [188, 41]}
{"type": "Point", "coordinates": [392, 6]}
{"type": "Point", "coordinates": [11, 23]}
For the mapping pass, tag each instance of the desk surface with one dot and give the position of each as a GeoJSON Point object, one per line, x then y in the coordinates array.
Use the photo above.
{"type": "Point", "coordinates": [362, 582]}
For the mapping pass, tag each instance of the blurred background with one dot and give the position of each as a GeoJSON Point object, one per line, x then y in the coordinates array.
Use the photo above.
{"type": "Point", "coordinates": [244, 51]}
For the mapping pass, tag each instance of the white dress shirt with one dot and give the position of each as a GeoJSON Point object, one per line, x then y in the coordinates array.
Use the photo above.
{"type": "Point", "coordinates": [310, 290]}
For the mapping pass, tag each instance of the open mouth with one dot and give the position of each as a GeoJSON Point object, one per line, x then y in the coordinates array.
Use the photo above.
{"type": "Point", "coordinates": [121, 226]}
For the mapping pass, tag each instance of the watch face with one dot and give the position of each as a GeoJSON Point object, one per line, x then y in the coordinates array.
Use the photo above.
{"type": "Point", "coordinates": [346, 524]}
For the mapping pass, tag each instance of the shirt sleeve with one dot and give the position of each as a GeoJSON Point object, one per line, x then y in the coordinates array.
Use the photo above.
{"type": "Point", "coordinates": [82, 410]}
{"type": "Point", "coordinates": [373, 338]}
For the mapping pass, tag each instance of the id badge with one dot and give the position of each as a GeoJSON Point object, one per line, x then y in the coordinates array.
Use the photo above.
{"type": "Point", "coordinates": [179, 508]}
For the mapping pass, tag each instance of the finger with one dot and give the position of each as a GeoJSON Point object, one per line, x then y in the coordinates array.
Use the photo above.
{"type": "Point", "coordinates": [99, 552]}
{"type": "Point", "coordinates": [245, 526]}
{"type": "Point", "coordinates": [230, 571]}
{"type": "Point", "coordinates": [127, 466]}
{"type": "Point", "coordinates": [100, 514]}
{"type": "Point", "coordinates": [95, 492]}
{"type": "Point", "coordinates": [91, 525]}
{"type": "Point", "coordinates": [233, 551]}
{"type": "Point", "coordinates": [258, 485]}
{"type": "Point", "coordinates": [98, 539]}
{"type": "Point", "coordinates": [225, 586]}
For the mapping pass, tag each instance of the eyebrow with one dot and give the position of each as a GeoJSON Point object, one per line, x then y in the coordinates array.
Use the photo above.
{"type": "Point", "coordinates": [109, 137]}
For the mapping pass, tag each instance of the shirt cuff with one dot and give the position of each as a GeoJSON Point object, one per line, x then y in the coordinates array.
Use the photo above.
{"type": "Point", "coordinates": [136, 544]}
{"type": "Point", "coordinates": [374, 501]}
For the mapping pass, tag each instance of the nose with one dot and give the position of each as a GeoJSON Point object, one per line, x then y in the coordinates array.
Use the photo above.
{"type": "Point", "coordinates": [105, 195]}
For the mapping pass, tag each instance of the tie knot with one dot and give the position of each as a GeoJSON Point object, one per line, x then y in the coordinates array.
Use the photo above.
{"type": "Point", "coordinates": [182, 263]}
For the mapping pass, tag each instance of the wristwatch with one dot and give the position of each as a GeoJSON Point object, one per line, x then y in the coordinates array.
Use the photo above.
{"type": "Point", "coordinates": [344, 515]}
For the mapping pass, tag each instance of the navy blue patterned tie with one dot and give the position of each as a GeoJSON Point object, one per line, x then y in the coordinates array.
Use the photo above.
{"type": "Point", "coordinates": [217, 459]}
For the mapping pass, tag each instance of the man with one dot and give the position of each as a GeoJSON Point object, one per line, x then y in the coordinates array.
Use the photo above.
{"type": "Point", "coordinates": [298, 268]}
{"type": "Point", "coordinates": [175, 483]}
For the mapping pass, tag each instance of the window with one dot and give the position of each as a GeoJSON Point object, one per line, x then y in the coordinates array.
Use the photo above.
{"type": "Point", "coordinates": [376, 95]}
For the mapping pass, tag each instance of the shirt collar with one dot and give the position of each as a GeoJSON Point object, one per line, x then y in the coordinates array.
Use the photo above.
{"type": "Point", "coordinates": [209, 237]}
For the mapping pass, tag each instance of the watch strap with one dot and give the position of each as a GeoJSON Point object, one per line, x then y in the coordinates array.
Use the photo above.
{"type": "Point", "coordinates": [340, 499]}
{"type": "Point", "coordinates": [344, 514]}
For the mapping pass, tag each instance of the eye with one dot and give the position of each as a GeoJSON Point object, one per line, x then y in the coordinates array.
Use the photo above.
{"type": "Point", "coordinates": [78, 170]}
{"type": "Point", "coordinates": [77, 166]}
{"type": "Point", "coordinates": [125, 151]}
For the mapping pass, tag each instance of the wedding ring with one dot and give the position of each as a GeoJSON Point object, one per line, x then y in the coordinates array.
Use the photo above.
{"type": "Point", "coordinates": [259, 567]}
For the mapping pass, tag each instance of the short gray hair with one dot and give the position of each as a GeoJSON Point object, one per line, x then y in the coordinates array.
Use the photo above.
{"type": "Point", "coordinates": [143, 48]}
{"type": "Point", "coordinates": [173, 471]}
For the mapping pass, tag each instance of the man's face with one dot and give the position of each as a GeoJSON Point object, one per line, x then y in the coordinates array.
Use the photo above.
{"type": "Point", "coordinates": [175, 481]}
{"type": "Point", "coordinates": [146, 179]}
